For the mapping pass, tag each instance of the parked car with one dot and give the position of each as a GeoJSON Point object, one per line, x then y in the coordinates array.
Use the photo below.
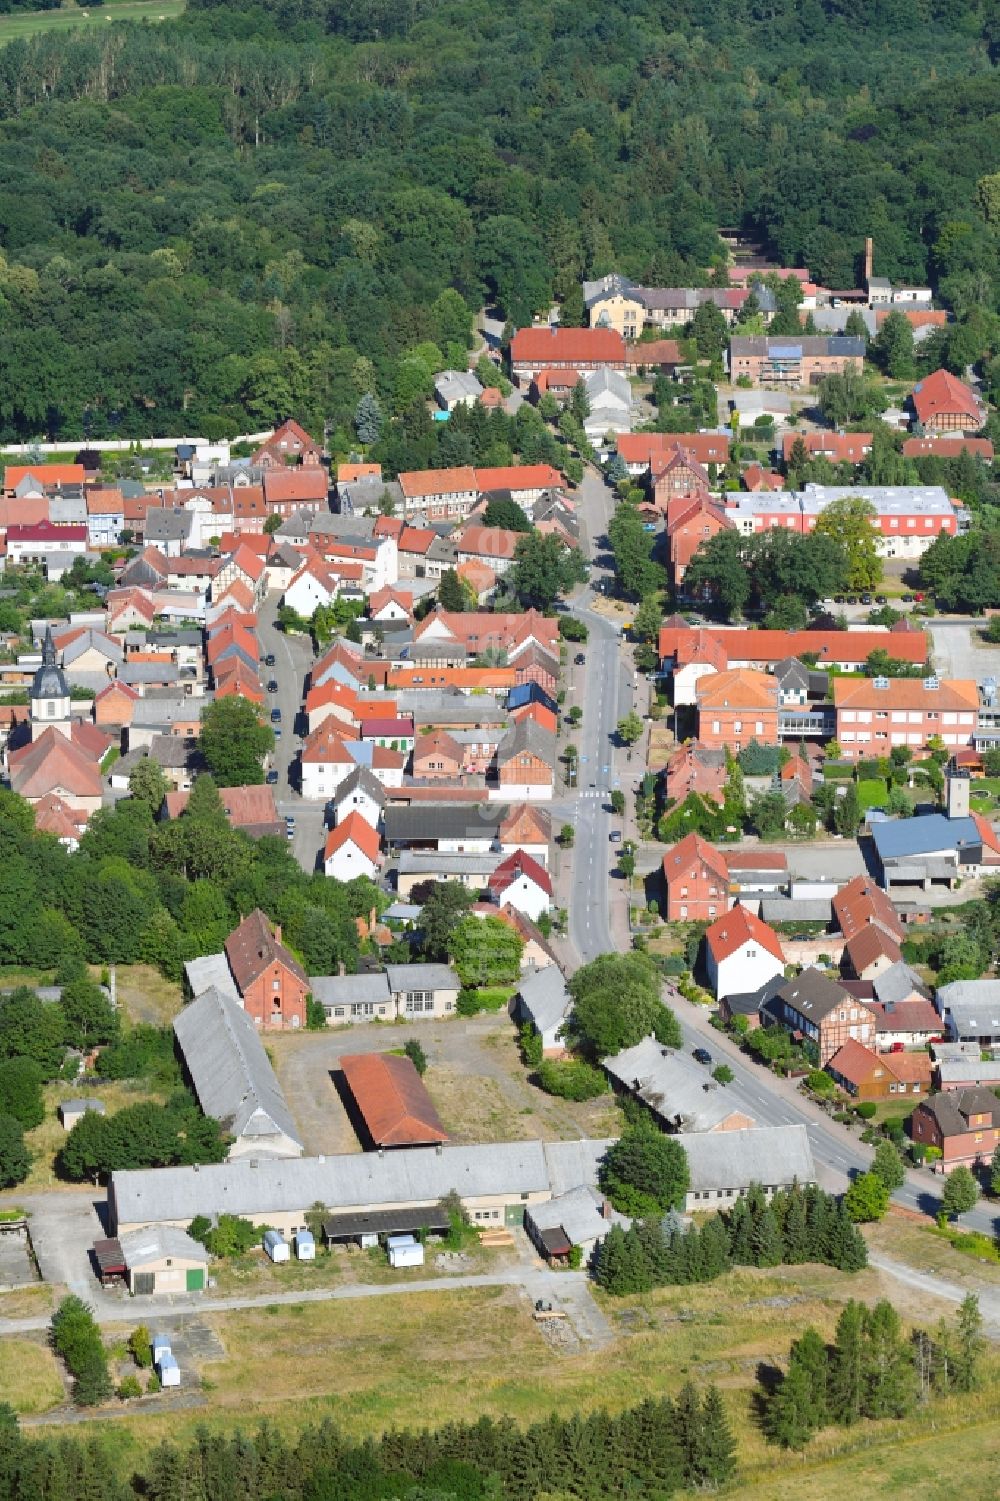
{"type": "Point", "coordinates": [275, 716]}
{"type": "Point", "coordinates": [866, 599]}
{"type": "Point", "coordinates": [277, 732]}
{"type": "Point", "coordinates": [881, 599]}
{"type": "Point", "coordinates": [907, 599]}
{"type": "Point", "coordinates": [579, 659]}
{"type": "Point", "coordinates": [615, 836]}
{"type": "Point", "coordinates": [272, 778]}
{"type": "Point", "coordinates": [701, 1055]}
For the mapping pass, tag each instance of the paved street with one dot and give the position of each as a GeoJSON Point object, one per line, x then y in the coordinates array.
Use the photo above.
{"type": "Point", "coordinates": [292, 657]}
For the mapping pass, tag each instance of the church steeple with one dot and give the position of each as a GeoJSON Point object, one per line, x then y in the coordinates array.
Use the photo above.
{"type": "Point", "coordinates": [50, 700]}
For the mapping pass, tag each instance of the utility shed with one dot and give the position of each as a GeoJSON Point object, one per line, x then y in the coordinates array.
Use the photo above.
{"type": "Point", "coordinates": [70, 1111]}
{"type": "Point", "coordinates": [392, 1102]}
{"type": "Point", "coordinates": [233, 1077]}
{"type": "Point", "coordinates": [163, 1259]}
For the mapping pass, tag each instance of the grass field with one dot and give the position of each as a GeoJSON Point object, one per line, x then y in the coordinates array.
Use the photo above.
{"type": "Point", "coordinates": [21, 24]}
{"type": "Point", "coordinates": [29, 1376]}
{"type": "Point", "coordinates": [45, 1140]}
{"type": "Point", "coordinates": [146, 996]}
{"type": "Point", "coordinates": [428, 1358]}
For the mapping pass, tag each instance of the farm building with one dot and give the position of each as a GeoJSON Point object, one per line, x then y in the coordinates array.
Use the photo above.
{"type": "Point", "coordinates": [391, 1101]}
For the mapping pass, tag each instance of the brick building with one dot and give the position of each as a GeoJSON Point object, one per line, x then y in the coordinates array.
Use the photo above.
{"type": "Point", "coordinates": [697, 881]}
{"type": "Point", "coordinates": [805, 360]}
{"type": "Point", "coordinates": [964, 1125]}
{"type": "Point", "coordinates": [271, 981]}
{"type": "Point", "coordinates": [737, 706]}
{"type": "Point", "coordinates": [874, 714]}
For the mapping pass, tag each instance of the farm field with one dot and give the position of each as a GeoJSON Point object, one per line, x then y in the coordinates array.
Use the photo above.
{"type": "Point", "coordinates": [476, 1350]}
{"type": "Point", "coordinates": [21, 24]}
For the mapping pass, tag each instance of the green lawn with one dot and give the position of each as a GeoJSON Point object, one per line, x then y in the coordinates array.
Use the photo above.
{"type": "Point", "coordinates": [27, 23]}
{"type": "Point", "coordinates": [872, 792]}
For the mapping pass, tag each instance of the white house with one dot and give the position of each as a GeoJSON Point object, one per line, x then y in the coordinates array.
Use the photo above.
{"type": "Point", "coordinates": [361, 793]}
{"type": "Point", "coordinates": [610, 395]}
{"type": "Point", "coordinates": [520, 882]}
{"type": "Point", "coordinates": [456, 388]}
{"type": "Point", "coordinates": [544, 1001]}
{"type": "Point", "coordinates": [352, 849]}
{"type": "Point", "coordinates": [741, 953]}
{"type": "Point", "coordinates": [312, 586]}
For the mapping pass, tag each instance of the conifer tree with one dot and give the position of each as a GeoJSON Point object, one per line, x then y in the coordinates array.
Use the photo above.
{"type": "Point", "coordinates": [889, 1378]}
{"type": "Point", "coordinates": [788, 1415]}
{"type": "Point", "coordinates": [847, 1367]}
{"type": "Point", "coordinates": [717, 1457]}
{"type": "Point", "coordinates": [689, 1426]}
{"type": "Point", "coordinates": [969, 1345]}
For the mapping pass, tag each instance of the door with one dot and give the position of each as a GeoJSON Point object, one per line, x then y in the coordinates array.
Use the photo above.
{"type": "Point", "coordinates": [143, 1282]}
{"type": "Point", "coordinates": [195, 1279]}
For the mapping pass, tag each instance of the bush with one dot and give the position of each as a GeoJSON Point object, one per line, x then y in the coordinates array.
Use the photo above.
{"type": "Point", "coordinates": [141, 1347]}
{"type": "Point", "coordinates": [531, 1045]}
{"type": "Point", "coordinates": [416, 1054]}
{"type": "Point", "coordinates": [315, 1015]}
{"type": "Point", "coordinates": [867, 1110]}
{"type": "Point", "coordinates": [820, 1082]}
{"type": "Point", "coordinates": [129, 1387]}
{"type": "Point", "coordinates": [232, 1236]}
{"type": "Point", "coordinates": [471, 1001]}
{"type": "Point", "coordinates": [153, 1384]}
{"type": "Point", "coordinates": [571, 1079]}
{"type": "Point", "coordinates": [723, 1074]}
{"type": "Point", "coordinates": [76, 1338]}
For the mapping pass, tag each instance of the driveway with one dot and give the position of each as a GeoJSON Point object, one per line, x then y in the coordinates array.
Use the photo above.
{"type": "Point", "coordinates": [961, 652]}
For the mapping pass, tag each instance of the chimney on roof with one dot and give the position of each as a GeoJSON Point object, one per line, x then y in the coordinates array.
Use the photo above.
{"type": "Point", "coordinates": [869, 258]}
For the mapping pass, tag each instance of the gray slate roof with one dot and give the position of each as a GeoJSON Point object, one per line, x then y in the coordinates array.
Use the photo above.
{"type": "Point", "coordinates": [443, 821]}
{"type": "Point", "coordinates": [973, 1006]}
{"type": "Point", "coordinates": [570, 1163]}
{"type": "Point", "coordinates": [897, 983]}
{"type": "Point", "coordinates": [348, 990]}
{"type": "Point", "coordinates": [154, 1242]}
{"type": "Point", "coordinates": [771, 1155]}
{"type": "Point", "coordinates": [426, 862]}
{"type": "Point", "coordinates": [578, 1213]}
{"type": "Point", "coordinates": [231, 1073]}
{"type": "Point", "coordinates": [422, 977]}
{"type": "Point", "coordinates": [545, 997]}
{"type": "Point", "coordinates": [422, 1175]}
{"type": "Point", "coordinates": [211, 972]}
{"type": "Point", "coordinates": [360, 780]}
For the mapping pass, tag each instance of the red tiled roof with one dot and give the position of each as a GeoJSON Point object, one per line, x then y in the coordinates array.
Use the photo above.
{"type": "Point", "coordinates": [948, 448]}
{"type": "Point", "coordinates": [392, 1099]}
{"type": "Point", "coordinates": [46, 531]}
{"type": "Point", "coordinates": [756, 859]}
{"type": "Point", "coordinates": [869, 944]}
{"type": "Point", "coordinates": [512, 868]}
{"type": "Point", "coordinates": [731, 931]}
{"type": "Point", "coordinates": [943, 393]}
{"type": "Point", "coordinates": [46, 474]}
{"type": "Point", "coordinates": [828, 646]}
{"type": "Point", "coordinates": [545, 346]}
{"type": "Point", "coordinates": [642, 448]}
{"type": "Point", "coordinates": [839, 448]}
{"type": "Point", "coordinates": [518, 477]}
{"type": "Point", "coordinates": [691, 850]}
{"type": "Point", "coordinates": [283, 485]}
{"type": "Point", "coordinates": [348, 473]}
{"type": "Point", "coordinates": [416, 484]}
{"type": "Point", "coordinates": [54, 762]}
{"type": "Point", "coordinates": [353, 830]}
{"type": "Point", "coordinates": [489, 542]}
{"type": "Point", "coordinates": [253, 947]}
{"type": "Point", "coordinates": [415, 539]}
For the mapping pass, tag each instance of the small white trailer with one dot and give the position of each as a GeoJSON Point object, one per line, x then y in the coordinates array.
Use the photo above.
{"type": "Point", "coordinates": [404, 1250]}
{"type": "Point", "coordinates": [305, 1245]}
{"type": "Point", "coordinates": [276, 1246]}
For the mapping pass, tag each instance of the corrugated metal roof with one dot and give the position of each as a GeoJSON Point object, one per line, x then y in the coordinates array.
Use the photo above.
{"type": "Point", "coordinates": [772, 1155]}
{"type": "Point", "coordinates": [231, 1072]}
{"type": "Point", "coordinates": [424, 1175]}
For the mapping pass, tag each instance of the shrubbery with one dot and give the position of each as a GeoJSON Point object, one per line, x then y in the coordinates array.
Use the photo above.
{"type": "Point", "coordinates": [77, 1339]}
{"type": "Point", "coordinates": [571, 1079]}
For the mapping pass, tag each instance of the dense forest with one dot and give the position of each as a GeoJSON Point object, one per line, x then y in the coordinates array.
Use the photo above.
{"type": "Point", "coordinates": [251, 211]}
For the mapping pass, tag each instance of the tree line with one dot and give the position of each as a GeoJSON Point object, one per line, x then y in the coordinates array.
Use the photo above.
{"type": "Point", "coordinates": [797, 1225]}
{"type": "Point", "coordinates": [250, 212]}
{"type": "Point", "coordinates": [653, 1450]}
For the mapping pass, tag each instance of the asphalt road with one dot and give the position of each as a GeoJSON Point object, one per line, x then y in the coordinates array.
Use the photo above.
{"type": "Point", "coordinates": [293, 657]}
{"type": "Point", "coordinates": [769, 1101]}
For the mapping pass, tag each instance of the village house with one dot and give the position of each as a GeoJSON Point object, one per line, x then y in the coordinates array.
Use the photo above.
{"type": "Point", "coordinates": [805, 360]}
{"type": "Point", "coordinates": [525, 761]}
{"type": "Point", "coordinates": [963, 1124]}
{"type": "Point", "coordinates": [874, 714]}
{"type": "Point", "coordinates": [492, 545]}
{"type": "Point", "coordinates": [543, 1002]}
{"type": "Point", "coordinates": [764, 649]}
{"type": "Point", "coordinates": [944, 404]}
{"type": "Point", "coordinates": [351, 849]}
{"type": "Point", "coordinates": [691, 522]}
{"type": "Point", "coordinates": [439, 494]}
{"type": "Point", "coordinates": [288, 444]}
{"type": "Point", "coordinates": [867, 1075]}
{"type": "Point", "coordinates": [520, 882]}
{"type": "Point", "coordinates": [741, 953]}
{"type": "Point", "coordinates": [839, 448]}
{"type": "Point", "coordinates": [271, 982]}
{"type": "Point", "coordinates": [868, 953]}
{"type": "Point", "coordinates": [970, 1011]}
{"type": "Point", "coordinates": [697, 881]}
{"type": "Point", "coordinates": [694, 767]}
{"type": "Point", "coordinates": [821, 1011]}
{"type": "Point", "coordinates": [579, 349]}
{"type": "Point", "coordinates": [641, 451]}
{"type": "Point", "coordinates": [360, 793]}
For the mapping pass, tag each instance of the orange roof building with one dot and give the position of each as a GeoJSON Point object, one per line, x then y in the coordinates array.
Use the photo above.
{"type": "Point", "coordinates": [392, 1100]}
